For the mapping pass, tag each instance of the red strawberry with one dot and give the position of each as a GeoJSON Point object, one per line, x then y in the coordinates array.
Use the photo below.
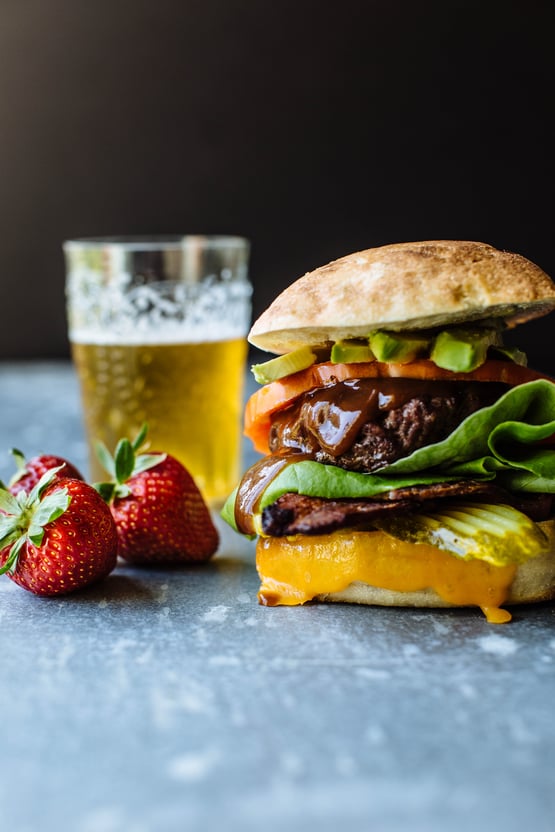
{"type": "Point", "coordinates": [29, 471]}
{"type": "Point", "coordinates": [58, 538]}
{"type": "Point", "coordinates": [159, 511]}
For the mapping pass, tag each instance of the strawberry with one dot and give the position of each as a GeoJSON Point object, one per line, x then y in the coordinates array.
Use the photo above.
{"type": "Point", "coordinates": [30, 471]}
{"type": "Point", "coordinates": [160, 514]}
{"type": "Point", "coordinates": [58, 538]}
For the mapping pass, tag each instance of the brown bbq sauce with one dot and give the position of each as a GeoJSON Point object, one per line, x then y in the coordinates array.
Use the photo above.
{"type": "Point", "coordinates": [332, 416]}
{"type": "Point", "coordinates": [252, 486]}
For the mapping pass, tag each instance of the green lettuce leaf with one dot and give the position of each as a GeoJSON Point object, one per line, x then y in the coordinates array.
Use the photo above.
{"type": "Point", "coordinates": [314, 479]}
{"type": "Point", "coordinates": [227, 512]}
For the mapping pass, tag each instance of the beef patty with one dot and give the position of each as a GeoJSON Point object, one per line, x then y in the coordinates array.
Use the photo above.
{"type": "Point", "coordinates": [363, 424]}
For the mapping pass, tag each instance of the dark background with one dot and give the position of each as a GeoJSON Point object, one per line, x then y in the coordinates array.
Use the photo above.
{"type": "Point", "coordinates": [313, 128]}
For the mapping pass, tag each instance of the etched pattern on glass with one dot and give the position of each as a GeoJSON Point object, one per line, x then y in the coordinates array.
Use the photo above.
{"type": "Point", "coordinates": [217, 307]}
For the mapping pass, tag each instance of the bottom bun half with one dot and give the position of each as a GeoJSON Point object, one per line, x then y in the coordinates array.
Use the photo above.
{"type": "Point", "coordinates": [375, 569]}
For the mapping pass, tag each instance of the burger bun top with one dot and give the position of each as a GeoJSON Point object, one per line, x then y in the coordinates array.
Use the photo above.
{"type": "Point", "coordinates": [404, 286]}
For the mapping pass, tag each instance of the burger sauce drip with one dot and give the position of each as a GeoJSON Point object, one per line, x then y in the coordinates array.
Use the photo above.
{"type": "Point", "coordinates": [253, 485]}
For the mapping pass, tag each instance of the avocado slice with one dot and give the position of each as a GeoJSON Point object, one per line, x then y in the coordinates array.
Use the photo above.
{"type": "Point", "coordinates": [283, 365]}
{"type": "Point", "coordinates": [462, 350]}
{"type": "Point", "coordinates": [351, 352]}
{"type": "Point", "coordinates": [397, 346]}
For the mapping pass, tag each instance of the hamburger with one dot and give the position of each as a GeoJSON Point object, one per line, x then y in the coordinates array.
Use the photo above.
{"type": "Point", "coordinates": [408, 450]}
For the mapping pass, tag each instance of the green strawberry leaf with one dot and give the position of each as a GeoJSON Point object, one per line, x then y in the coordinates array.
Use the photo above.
{"type": "Point", "coordinates": [51, 507]}
{"type": "Point", "coordinates": [35, 534]}
{"type": "Point", "coordinates": [9, 530]}
{"type": "Point", "coordinates": [106, 490]}
{"type": "Point", "coordinates": [110, 490]}
{"type": "Point", "coordinates": [46, 479]}
{"type": "Point", "coordinates": [105, 458]}
{"type": "Point", "coordinates": [8, 502]}
{"type": "Point", "coordinates": [146, 461]}
{"type": "Point", "coordinates": [11, 562]}
{"type": "Point", "coordinates": [20, 461]}
{"type": "Point", "coordinates": [122, 490]}
{"type": "Point", "coordinates": [22, 499]}
{"type": "Point", "coordinates": [19, 457]}
{"type": "Point", "coordinates": [141, 436]}
{"type": "Point", "coordinates": [124, 460]}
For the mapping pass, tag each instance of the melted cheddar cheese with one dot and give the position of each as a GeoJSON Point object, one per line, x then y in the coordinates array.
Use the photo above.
{"type": "Point", "coordinates": [296, 569]}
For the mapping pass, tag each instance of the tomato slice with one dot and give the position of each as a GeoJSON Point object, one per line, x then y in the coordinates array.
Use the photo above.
{"type": "Point", "coordinates": [280, 394]}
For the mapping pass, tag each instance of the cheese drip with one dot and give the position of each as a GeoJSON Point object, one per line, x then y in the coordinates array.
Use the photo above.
{"type": "Point", "coordinates": [296, 569]}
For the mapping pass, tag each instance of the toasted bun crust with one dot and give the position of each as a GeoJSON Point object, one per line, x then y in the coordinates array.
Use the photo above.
{"type": "Point", "coordinates": [534, 581]}
{"type": "Point", "coordinates": [404, 286]}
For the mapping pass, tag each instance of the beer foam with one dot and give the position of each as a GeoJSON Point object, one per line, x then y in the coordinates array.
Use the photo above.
{"type": "Point", "coordinates": [169, 333]}
{"type": "Point", "coordinates": [166, 312]}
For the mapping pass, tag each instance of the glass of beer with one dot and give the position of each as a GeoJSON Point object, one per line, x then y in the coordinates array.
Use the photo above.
{"type": "Point", "coordinates": [158, 329]}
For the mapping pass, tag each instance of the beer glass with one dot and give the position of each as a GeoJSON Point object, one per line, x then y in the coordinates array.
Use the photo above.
{"type": "Point", "coordinates": [157, 329]}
